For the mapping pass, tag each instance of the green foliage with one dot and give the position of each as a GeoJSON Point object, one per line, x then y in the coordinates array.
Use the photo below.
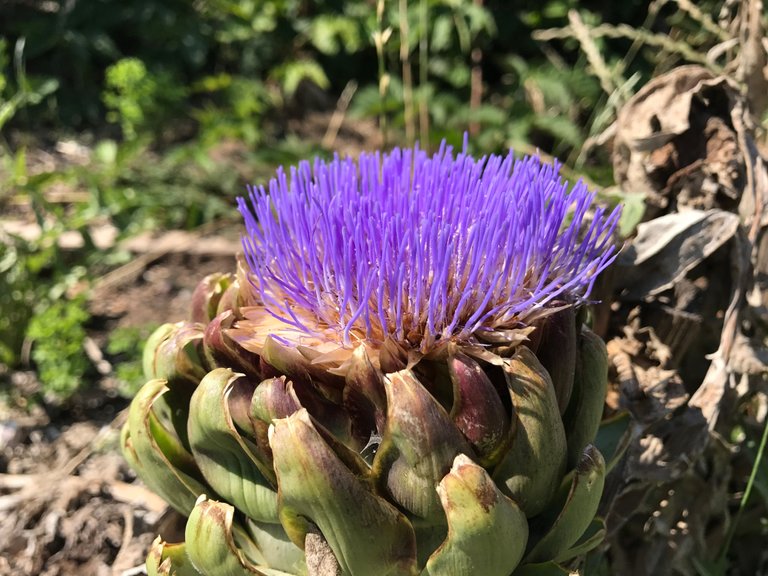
{"type": "Point", "coordinates": [292, 73]}
{"type": "Point", "coordinates": [33, 276]}
{"type": "Point", "coordinates": [23, 90]}
{"type": "Point", "coordinates": [16, 300]}
{"type": "Point", "coordinates": [334, 33]}
{"type": "Point", "coordinates": [238, 113]}
{"type": "Point", "coordinates": [632, 212]}
{"type": "Point", "coordinates": [137, 190]}
{"type": "Point", "coordinates": [137, 99]}
{"type": "Point", "coordinates": [57, 336]}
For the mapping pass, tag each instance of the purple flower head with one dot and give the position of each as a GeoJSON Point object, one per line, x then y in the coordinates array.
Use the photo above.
{"type": "Point", "coordinates": [421, 248]}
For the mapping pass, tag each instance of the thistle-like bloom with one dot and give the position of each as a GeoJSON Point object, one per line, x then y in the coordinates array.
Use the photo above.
{"type": "Point", "coordinates": [396, 382]}
{"type": "Point", "coordinates": [423, 249]}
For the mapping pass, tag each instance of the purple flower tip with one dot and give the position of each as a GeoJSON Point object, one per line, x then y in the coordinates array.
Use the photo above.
{"type": "Point", "coordinates": [421, 248]}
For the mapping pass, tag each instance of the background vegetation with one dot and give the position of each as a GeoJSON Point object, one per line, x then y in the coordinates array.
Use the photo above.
{"type": "Point", "coordinates": [123, 112]}
{"type": "Point", "coordinates": [118, 112]}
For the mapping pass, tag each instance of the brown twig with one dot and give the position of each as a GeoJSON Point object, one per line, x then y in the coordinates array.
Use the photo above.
{"type": "Point", "coordinates": [405, 60]}
{"type": "Point", "coordinates": [752, 57]}
{"type": "Point", "coordinates": [342, 104]}
{"type": "Point", "coordinates": [476, 85]}
{"type": "Point", "coordinates": [423, 73]}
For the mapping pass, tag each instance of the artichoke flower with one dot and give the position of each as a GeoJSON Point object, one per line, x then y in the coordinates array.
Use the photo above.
{"type": "Point", "coordinates": [396, 380]}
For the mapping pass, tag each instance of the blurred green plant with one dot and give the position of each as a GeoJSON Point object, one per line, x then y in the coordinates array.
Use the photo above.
{"type": "Point", "coordinates": [137, 99]}
{"type": "Point", "coordinates": [57, 335]}
{"type": "Point", "coordinates": [16, 299]}
{"type": "Point", "coordinates": [17, 91]}
{"type": "Point", "coordinates": [21, 90]}
{"type": "Point", "coordinates": [238, 111]}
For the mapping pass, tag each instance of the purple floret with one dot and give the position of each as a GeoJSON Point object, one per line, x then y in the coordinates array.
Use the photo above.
{"type": "Point", "coordinates": [421, 248]}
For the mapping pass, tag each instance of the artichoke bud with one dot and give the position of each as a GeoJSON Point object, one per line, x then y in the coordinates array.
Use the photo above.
{"type": "Point", "coordinates": [585, 410]}
{"type": "Point", "coordinates": [435, 376]}
{"type": "Point", "coordinates": [222, 350]}
{"type": "Point", "coordinates": [393, 356]}
{"type": "Point", "coordinates": [275, 549]}
{"type": "Point", "coordinates": [207, 295]}
{"type": "Point", "coordinates": [230, 299]}
{"type": "Point", "coordinates": [174, 352]}
{"type": "Point", "coordinates": [267, 370]}
{"type": "Point", "coordinates": [533, 466]}
{"type": "Point", "coordinates": [360, 391]}
{"type": "Point", "coordinates": [417, 448]}
{"type": "Point", "coordinates": [332, 416]}
{"type": "Point", "coordinates": [477, 409]}
{"type": "Point", "coordinates": [239, 400]}
{"type": "Point", "coordinates": [274, 398]}
{"type": "Point", "coordinates": [153, 358]}
{"type": "Point", "coordinates": [166, 559]}
{"type": "Point", "coordinates": [556, 350]}
{"type": "Point", "coordinates": [245, 295]}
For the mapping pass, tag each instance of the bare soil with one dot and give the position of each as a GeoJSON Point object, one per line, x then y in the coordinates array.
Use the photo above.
{"type": "Point", "coordinates": [69, 504]}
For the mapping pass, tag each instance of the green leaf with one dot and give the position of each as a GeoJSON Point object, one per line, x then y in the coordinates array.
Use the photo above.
{"type": "Point", "coordinates": [211, 543]}
{"type": "Point", "coordinates": [477, 410]}
{"type": "Point", "coordinates": [418, 447]}
{"type": "Point", "coordinates": [592, 537]}
{"type": "Point", "coordinates": [292, 73]}
{"type": "Point", "coordinates": [568, 517]}
{"type": "Point", "coordinates": [331, 34]}
{"type": "Point", "coordinates": [223, 456]}
{"type": "Point", "coordinates": [633, 208]}
{"type": "Point", "coordinates": [275, 549]}
{"type": "Point", "coordinates": [632, 213]}
{"type": "Point", "coordinates": [613, 437]}
{"type": "Point", "coordinates": [487, 532]}
{"type": "Point", "coordinates": [710, 568]}
{"type": "Point", "coordinates": [169, 560]}
{"type": "Point", "coordinates": [174, 352]}
{"type": "Point", "coordinates": [323, 484]}
{"type": "Point", "coordinates": [585, 410]}
{"type": "Point", "coordinates": [158, 456]}
{"type": "Point", "coordinates": [105, 152]}
{"type": "Point", "coordinates": [561, 128]}
{"type": "Point", "coordinates": [534, 466]}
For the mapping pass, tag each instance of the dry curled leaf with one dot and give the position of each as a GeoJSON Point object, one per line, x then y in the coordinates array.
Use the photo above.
{"type": "Point", "coordinates": [677, 144]}
{"type": "Point", "coordinates": [667, 248]}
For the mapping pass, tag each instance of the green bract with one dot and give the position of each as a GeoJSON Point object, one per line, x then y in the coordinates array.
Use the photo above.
{"type": "Point", "coordinates": [299, 446]}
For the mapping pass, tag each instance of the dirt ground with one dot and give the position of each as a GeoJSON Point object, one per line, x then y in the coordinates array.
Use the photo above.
{"type": "Point", "coordinates": [69, 504]}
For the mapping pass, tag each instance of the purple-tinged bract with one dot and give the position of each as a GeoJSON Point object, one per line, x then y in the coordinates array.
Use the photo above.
{"type": "Point", "coordinates": [421, 248]}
